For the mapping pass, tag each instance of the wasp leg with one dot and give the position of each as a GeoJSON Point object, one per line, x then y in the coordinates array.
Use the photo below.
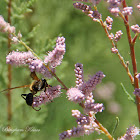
{"type": "Point", "coordinates": [36, 109]}
{"type": "Point", "coordinates": [22, 95]}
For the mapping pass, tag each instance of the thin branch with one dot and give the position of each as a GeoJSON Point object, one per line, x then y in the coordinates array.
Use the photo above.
{"type": "Point", "coordinates": [119, 55]}
{"type": "Point", "coordinates": [104, 130]}
{"type": "Point", "coordinates": [9, 107]}
{"type": "Point", "coordinates": [133, 58]}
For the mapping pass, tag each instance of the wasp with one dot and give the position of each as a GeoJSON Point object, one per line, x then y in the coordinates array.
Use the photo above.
{"type": "Point", "coordinates": [35, 86]}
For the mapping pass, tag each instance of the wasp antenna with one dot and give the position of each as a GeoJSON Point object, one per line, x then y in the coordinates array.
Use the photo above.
{"type": "Point", "coordinates": [15, 88]}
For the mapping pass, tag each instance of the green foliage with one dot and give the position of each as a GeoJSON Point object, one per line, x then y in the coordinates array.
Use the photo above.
{"type": "Point", "coordinates": [21, 7]}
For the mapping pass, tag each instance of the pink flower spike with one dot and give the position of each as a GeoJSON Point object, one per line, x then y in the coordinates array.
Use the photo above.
{"type": "Point", "coordinates": [75, 95]}
{"type": "Point", "coordinates": [55, 57]}
{"type": "Point", "coordinates": [85, 8]}
{"type": "Point", "coordinates": [90, 85]}
{"type": "Point", "coordinates": [79, 74]}
{"type": "Point", "coordinates": [75, 132]}
{"type": "Point", "coordinates": [19, 58]}
{"type": "Point", "coordinates": [47, 96]}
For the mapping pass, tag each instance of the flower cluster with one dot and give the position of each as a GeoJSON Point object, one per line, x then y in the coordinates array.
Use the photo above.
{"type": "Point", "coordinates": [114, 50]}
{"type": "Point", "coordinates": [46, 96]}
{"type": "Point", "coordinates": [111, 36]}
{"type": "Point", "coordinates": [127, 11]}
{"type": "Point", "coordinates": [75, 95]}
{"type": "Point", "coordinates": [95, 15]}
{"type": "Point", "coordinates": [114, 6]}
{"type": "Point", "coordinates": [26, 58]}
{"type": "Point", "coordinates": [90, 85]}
{"type": "Point", "coordinates": [109, 22]}
{"type": "Point", "coordinates": [85, 8]}
{"type": "Point", "coordinates": [131, 133]}
{"type": "Point", "coordinates": [19, 58]}
{"type": "Point", "coordinates": [91, 106]}
{"type": "Point", "coordinates": [5, 27]}
{"type": "Point", "coordinates": [86, 125]}
{"type": "Point", "coordinates": [54, 58]}
{"type": "Point", "coordinates": [135, 28]}
{"type": "Point", "coordinates": [83, 89]}
{"type": "Point", "coordinates": [38, 66]}
{"type": "Point", "coordinates": [118, 36]}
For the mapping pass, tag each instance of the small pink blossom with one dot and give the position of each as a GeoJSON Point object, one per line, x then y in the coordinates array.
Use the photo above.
{"type": "Point", "coordinates": [114, 11]}
{"type": "Point", "coordinates": [111, 36]}
{"type": "Point", "coordinates": [135, 28]}
{"type": "Point", "coordinates": [114, 50]}
{"type": "Point", "coordinates": [127, 11]}
{"type": "Point", "coordinates": [118, 36]}
{"type": "Point", "coordinates": [75, 95]}
{"type": "Point", "coordinates": [138, 6]}
{"type": "Point", "coordinates": [138, 76]}
{"type": "Point", "coordinates": [90, 106]}
{"type": "Point", "coordinates": [15, 40]}
{"type": "Point", "coordinates": [109, 22]}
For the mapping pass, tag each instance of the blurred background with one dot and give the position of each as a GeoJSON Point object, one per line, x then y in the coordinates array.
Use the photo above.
{"type": "Point", "coordinates": [86, 43]}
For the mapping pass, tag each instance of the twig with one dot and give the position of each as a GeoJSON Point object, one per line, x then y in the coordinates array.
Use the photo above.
{"type": "Point", "coordinates": [8, 95]}
{"type": "Point", "coordinates": [104, 130]}
{"type": "Point", "coordinates": [133, 59]}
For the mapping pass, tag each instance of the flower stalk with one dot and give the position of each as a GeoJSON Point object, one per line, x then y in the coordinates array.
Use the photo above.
{"type": "Point", "coordinates": [8, 95]}
{"type": "Point", "coordinates": [133, 58]}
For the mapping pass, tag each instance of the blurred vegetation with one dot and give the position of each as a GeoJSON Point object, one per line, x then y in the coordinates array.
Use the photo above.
{"type": "Point", "coordinates": [40, 22]}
